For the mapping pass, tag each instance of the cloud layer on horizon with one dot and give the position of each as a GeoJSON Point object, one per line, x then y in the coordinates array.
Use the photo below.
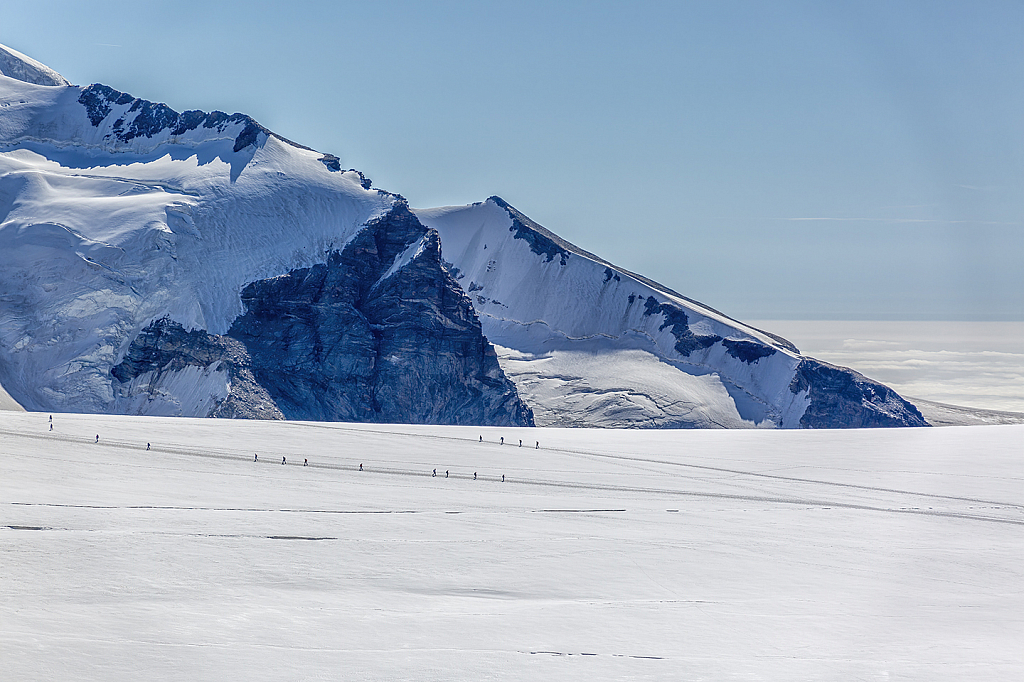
{"type": "Point", "coordinates": [974, 364]}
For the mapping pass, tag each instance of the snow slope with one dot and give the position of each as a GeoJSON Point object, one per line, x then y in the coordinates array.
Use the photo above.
{"type": "Point", "coordinates": [605, 555]}
{"type": "Point", "coordinates": [7, 402]}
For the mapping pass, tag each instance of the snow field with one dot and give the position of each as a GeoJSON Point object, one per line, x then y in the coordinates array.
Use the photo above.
{"type": "Point", "coordinates": [725, 555]}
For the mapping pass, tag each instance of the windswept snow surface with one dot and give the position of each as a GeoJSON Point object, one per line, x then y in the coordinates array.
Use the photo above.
{"type": "Point", "coordinates": [576, 332]}
{"type": "Point", "coordinates": [605, 555]}
{"type": "Point", "coordinates": [100, 236]}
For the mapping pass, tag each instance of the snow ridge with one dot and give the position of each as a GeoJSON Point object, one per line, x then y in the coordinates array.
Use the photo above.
{"type": "Point", "coordinates": [14, 64]}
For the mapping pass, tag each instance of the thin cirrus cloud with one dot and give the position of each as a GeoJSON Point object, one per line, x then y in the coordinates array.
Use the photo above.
{"type": "Point", "coordinates": [903, 220]}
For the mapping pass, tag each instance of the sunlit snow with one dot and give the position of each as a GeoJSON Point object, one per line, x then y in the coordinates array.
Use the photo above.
{"type": "Point", "coordinates": [691, 555]}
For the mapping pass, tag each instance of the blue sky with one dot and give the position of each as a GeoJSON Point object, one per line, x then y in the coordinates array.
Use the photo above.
{"type": "Point", "coordinates": [804, 160]}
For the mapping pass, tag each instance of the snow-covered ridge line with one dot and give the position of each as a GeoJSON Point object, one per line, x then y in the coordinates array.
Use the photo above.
{"type": "Point", "coordinates": [111, 121]}
{"type": "Point", "coordinates": [527, 224]}
{"type": "Point", "coordinates": [151, 119]}
{"type": "Point", "coordinates": [14, 64]}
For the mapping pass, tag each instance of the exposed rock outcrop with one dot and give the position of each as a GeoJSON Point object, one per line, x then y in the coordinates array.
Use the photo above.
{"type": "Point", "coordinates": [381, 332]}
{"type": "Point", "coordinates": [165, 351]}
{"type": "Point", "coordinates": [842, 398]}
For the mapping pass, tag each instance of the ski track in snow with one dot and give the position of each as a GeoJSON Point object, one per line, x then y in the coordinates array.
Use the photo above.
{"type": "Point", "coordinates": [238, 456]}
{"type": "Point", "coordinates": [604, 555]}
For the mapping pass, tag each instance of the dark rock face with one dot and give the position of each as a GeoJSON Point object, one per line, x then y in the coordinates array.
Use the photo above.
{"type": "Point", "coordinates": [165, 346]}
{"type": "Point", "coordinates": [541, 241]}
{"type": "Point", "coordinates": [747, 351]}
{"type": "Point", "coordinates": [338, 342]}
{"type": "Point", "coordinates": [97, 99]}
{"type": "Point", "coordinates": [381, 332]}
{"type": "Point", "coordinates": [332, 162]}
{"type": "Point", "coordinates": [679, 324]}
{"type": "Point", "coordinates": [842, 398]}
{"type": "Point", "coordinates": [151, 118]}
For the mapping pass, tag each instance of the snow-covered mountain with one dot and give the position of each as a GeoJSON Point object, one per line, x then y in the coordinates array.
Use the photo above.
{"type": "Point", "coordinates": [197, 264]}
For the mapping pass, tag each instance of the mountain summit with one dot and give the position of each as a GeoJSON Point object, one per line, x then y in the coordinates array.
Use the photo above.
{"type": "Point", "coordinates": [197, 264]}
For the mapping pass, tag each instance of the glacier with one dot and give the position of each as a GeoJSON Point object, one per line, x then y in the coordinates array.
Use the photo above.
{"type": "Point", "coordinates": [127, 228]}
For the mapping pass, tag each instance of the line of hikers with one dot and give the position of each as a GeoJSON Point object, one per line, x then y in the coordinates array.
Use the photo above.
{"type": "Point", "coordinates": [434, 475]}
{"type": "Point", "coordinates": [305, 460]}
{"type": "Point", "coordinates": [501, 441]}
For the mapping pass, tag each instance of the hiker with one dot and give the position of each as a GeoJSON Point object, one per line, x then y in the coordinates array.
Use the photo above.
{"type": "Point", "coordinates": [360, 466]}
{"type": "Point", "coordinates": [520, 442]}
{"type": "Point", "coordinates": [282, 460]}
{"type": "Point", "coordinates": [97, 438]}
{"type": "Point", "coordinates": [503, 478]}
{"type": "Point", "coordinates": [255, 457]}
{"type": "Point", "coordinates": [305, 462]}
{"type": "Point", "coordinates": [51, 427]}
{"type": "Point", "coordinates": [481, 439]}
{"type": "Point", "coordinates": [474, 475]}
{"type": "Point", "coordinates": [434, 475]}
{"type": "Point", "coordinates": [446, 473]}
{"type": "Point", "coordinates": [538, 445]}
{"type": "Point", "coordinates": [503, 440]}
{"type": "Point", "coordinates": [147, 447]}
{"type": "Point", "coordinates": [51, 418]}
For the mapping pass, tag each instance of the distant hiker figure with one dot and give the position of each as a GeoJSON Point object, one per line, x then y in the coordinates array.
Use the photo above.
{"type": "Point", "coordinates": [305, 462]}
{"type": "Point", "coordinates": [360, 466]}
{"type": "Point", "coordinates": [503, 478]}
{"type": "Point", "coordinates": [446, 473]}
{"type": "Point", "coordinates": [97, 438]}
{"type": "Point", "coordinates": [481, 437]}
{"type": "Point", "coordinates": [434, 474]}
{"type": "Point", "coordinates": [538, 445]}
{"type": "Point", "coordinates": [502, 440]}
{"type": "Point", "coordinates": [474, 475]}
{"type": "Point", "coordinates": [255, 457]}
{"type": "Point", "coordinates": [51, 427]}
{"type": "Point", "coordinates": [147, 446]}
{"type": "Point", "coordinates": [520, 442]}
{"type": "Point", "coordinates": [51, 418]}
{"type": "Point", "coordinates": [282, 460]}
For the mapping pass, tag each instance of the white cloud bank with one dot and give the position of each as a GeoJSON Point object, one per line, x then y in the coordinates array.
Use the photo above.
{"type": "Point", "coordinates": [974, 364]}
